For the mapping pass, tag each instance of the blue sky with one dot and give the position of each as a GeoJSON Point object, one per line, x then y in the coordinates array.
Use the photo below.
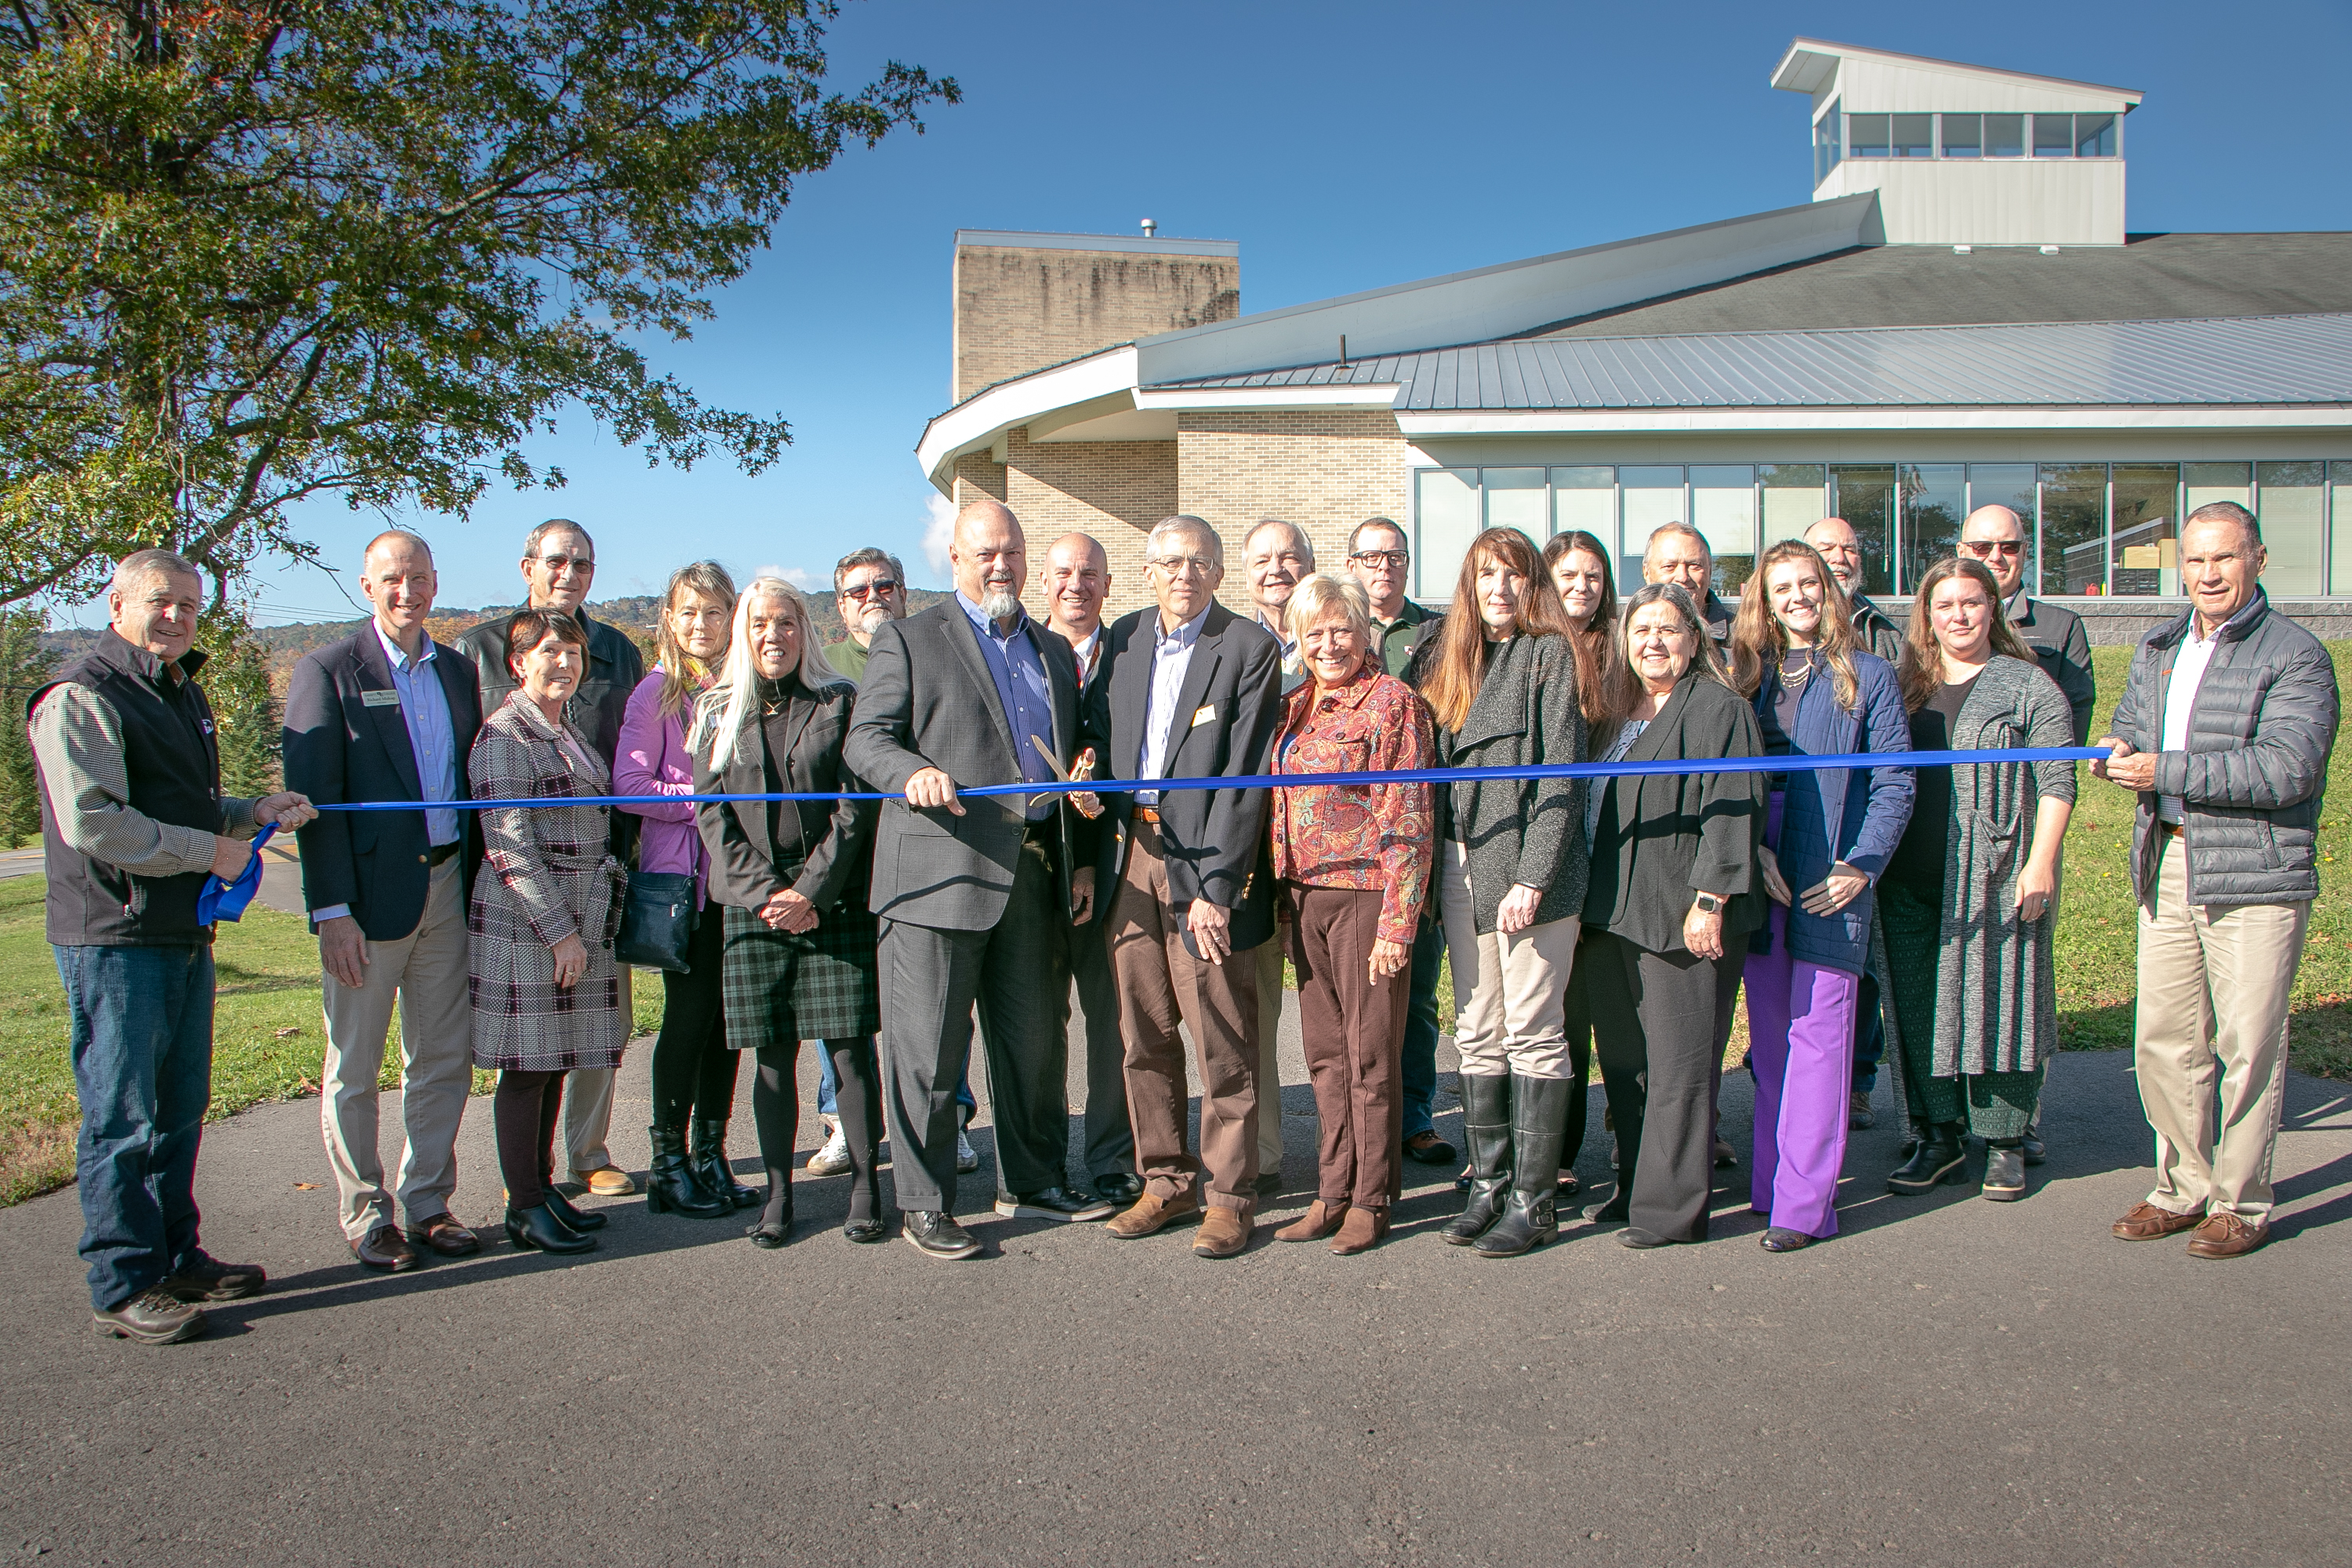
{"type": "Point", "coordinates": [1346, 146]}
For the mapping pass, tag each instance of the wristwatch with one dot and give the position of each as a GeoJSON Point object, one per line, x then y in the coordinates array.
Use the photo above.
{"type": "Point", "coordinates": [1707, 903]}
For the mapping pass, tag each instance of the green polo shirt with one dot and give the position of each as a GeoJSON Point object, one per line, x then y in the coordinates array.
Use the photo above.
{"type": "Point", "coordinates": [1400, 636]}
{"type": "Point", "coordinates": [846, 658]}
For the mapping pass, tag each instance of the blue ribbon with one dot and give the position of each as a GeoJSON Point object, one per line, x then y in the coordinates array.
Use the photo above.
{"type": "Point", "coordinates": [1788, 764]}
{"type": "Point", "coordinates": [219, 900]}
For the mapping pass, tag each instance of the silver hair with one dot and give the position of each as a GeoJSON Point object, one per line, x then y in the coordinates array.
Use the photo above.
{"type": "Point", "coordinates": [1184, 522]}
{"type": "Point", "coordinates": [1298, 539]}
{"type": "Point", "coordinates": [1684, 528]}
{"type": "Point", "coordinates": [135, 568]}
{"type": "Point", "coordinates": [2228, 511]}
{"type": "Point", "coordinates": [1320, 592]}
{"type": "Point", "coordinates": [871, 555]}
{"type": "Point", "coordinates": [537, 536]}
{"type": "Point", "coordinates": [724, 715]}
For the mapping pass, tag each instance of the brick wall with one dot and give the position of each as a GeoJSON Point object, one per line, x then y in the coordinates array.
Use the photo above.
{"type": "Point", "coordinates": [1325, 471]}
{"type": "Point", "coordinates": [1019, 309]}
{"type": "Point", "coordinates": [1114, 490]}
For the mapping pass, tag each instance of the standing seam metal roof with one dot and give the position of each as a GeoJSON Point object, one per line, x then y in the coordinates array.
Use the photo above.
{"type": "Point", "coordinates": [2261, 359]}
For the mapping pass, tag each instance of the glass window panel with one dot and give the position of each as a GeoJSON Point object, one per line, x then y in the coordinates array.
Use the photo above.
{"type": "Point", "coordinates": [2095, 136]}
{"type": "Point", "coordinates": [1445, 511]}
{"type": "Point", "coordinates": [2074, 528]}
{"type": "Point", "coordinates": [2010, 485]}
{"type": "Point", "coordinates": [2053, 135]}
{"type": "Point", "coordinates": [1792, 500]}
{"type": "Point", "coordinates": [2293, 513]}
{"type": "Point", "coordinates": [1865, 135]}
{"type": "Point", "coordinates": [1653, 498]}
{"type": "Point", "coordinates": [2339, 538]}
{"type": "Point", "coordinates": [1515, 499]}
{"type": "Point", "coordinates": [2215, 481]}
{"type": "Point", "coordinates": [1863, 494]}
{"type": "Point", "coordinates": [1586, 498]}
{"type": "Point", "coordinates": [2146, 532]}
{"type": "Point", "coordinates": [1914, 136]}
{"type": "Point", "coordinates": [1826, 147]}
{"type": "Point", "coordinates": [2004, 135]}
{"type": "Point", "coordinates": [1935, 498]}
{"type": "Point", "coordinates": [1963, 135]}
{"type": "Point", "coordinates": [1723, 508]}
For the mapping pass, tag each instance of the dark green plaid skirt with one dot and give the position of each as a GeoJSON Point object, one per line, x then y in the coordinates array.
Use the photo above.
{"type": "Point", "coordinates": [819, 985]}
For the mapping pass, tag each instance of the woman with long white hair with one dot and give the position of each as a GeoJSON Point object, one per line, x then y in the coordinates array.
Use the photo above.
{"type": "Point", "coordinates": [793, 875]}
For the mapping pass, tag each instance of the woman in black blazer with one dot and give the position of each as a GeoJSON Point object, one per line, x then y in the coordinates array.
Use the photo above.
{"type": "Point", "coordinates": [794, 877]}
{"type": "Point", "coordinates": [1674, 888]}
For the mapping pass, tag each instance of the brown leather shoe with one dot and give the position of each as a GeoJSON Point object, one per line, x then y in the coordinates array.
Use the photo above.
{"type": "Point", "coordinates": [385, 1248]}
{"type": "Point", "coordinates": [1319, 1221]}
{"type": "Point", "coordinates": [606, 1182]}
{"type": "Point", "coordinates": [1223, 1234]}
{"type": "Point", "coordinates": [2145, 1222]}
{"type": "Point", "coordinates": [1361, 1232]}
{"type": "Point", "coordinates": [1152, 1214]}
{"type": "Point", "coordinates": [444, 1236]}
{"type": "Point", "coordinates": [2225, 1235]}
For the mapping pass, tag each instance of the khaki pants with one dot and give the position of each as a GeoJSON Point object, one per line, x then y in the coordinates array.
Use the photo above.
{"type": "Point", "coordinates": [1162, 984]}
{"type": "Point", "coordinates": [1510, 992]}
{"type": "Point", "coordinates": [2213, 988]}
{"type": "Point", "coordinates": [1268, 954]}
{"type": "Point", "coordinates": [426, 973]}
{"type": "Point", "coordinates": [588, 1100]}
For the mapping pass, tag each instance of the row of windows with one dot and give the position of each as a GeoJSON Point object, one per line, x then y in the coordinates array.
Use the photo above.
{"type": "Point", "coordinates": [2092, 528]}
{"type": "Point", "coordinates": [1837, 136]}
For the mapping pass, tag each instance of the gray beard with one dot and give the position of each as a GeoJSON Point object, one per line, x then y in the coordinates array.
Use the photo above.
{"type": "Point", "coordinates": [999, 606]}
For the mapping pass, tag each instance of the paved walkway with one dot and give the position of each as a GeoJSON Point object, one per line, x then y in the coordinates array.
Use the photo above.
{"type": "Point", "coordinates": [1951, 1381]}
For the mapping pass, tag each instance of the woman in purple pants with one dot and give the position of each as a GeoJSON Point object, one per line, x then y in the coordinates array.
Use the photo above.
{"type": "Point", "coordinates": [1828, 834]}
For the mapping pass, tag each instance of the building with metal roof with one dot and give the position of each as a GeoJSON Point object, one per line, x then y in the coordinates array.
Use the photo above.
{"type": "Point", "coordinates": [1959, 316]}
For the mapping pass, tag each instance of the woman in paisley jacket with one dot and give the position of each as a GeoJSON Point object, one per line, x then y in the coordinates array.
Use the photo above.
{"type": "Point", "coordinates": [1354, 863]}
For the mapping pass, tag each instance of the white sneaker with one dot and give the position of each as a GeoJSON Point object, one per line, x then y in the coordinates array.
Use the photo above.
{"type": "Point", "coordinates": [967, 1157]}
{"type": "Point", "coordinates": [833, 1159]}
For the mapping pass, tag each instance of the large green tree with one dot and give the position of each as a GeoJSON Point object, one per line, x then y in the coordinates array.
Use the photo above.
{"type": "Point", "coordinates": [253, 251]}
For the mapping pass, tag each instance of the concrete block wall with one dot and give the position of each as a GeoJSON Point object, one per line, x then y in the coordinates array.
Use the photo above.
{"type": "Point", "coordinates": [1326, 471]}
{"type": "Point", "coordinates": [1114, 490]}
{"type": "Point", "coordinates": [1022, 308]}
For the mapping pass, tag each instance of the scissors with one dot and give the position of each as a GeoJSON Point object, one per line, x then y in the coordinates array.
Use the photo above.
{"type": "Point", "coordinates": [1085, 772]}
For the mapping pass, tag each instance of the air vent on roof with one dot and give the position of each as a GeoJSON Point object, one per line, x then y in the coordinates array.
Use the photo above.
{"type": "Point", "coordinates": [1962, 249]}
{"type": "Point", "coordinates": [2049, 250]}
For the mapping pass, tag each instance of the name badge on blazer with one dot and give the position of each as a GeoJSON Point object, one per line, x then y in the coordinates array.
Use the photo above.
{"type": "Point", "coordinates": [1206, 713]}
{"type": "Point", "coordinates": [381, 699]}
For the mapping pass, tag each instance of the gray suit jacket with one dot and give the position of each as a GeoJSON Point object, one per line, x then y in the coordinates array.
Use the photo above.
{"type": "Point", "coordinates": [927, 701]}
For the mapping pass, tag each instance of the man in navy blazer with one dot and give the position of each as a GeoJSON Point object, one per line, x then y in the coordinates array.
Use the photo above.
{"type": "Point", "coordinates": [389, 714]}
{"type": "Point", "coordinates": [1187, 689]}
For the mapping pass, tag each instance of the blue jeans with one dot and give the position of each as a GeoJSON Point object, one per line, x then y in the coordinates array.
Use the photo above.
{"type": "Point", "coordinates": [1420, 1064]}
{"type": "Point", "coordinates": [827, 1083]}
{"type": "Point", "coordinates": [143, 1062]}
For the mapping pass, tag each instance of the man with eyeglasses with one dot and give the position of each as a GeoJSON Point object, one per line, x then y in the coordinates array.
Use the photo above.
{"type": "Point", "coordinates": [1996, 536]}
{"type": "Point", "coordinates": [1378, 557]}
{"type": "Point", "coordinates": [1381, 559]}
{"type": "Point", "coordinates": [558, 564]}
{"type": "Point", "coordinates": [1189, 689]}
{"type": "Point", "coordinates": [869, 587]}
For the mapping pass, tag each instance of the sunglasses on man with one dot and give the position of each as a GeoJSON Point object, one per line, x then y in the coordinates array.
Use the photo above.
{"type": "Point", "coordinates": [1986, 548]}
{"type": "Point", "coordinates": [882, 586]}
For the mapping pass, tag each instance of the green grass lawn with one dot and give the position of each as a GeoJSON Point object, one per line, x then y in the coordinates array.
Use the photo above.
{"type": "Point", "coordinates": [267, 1040]}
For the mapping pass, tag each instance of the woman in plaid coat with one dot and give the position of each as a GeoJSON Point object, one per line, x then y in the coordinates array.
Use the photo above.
{"type": "Point", "coordinates": [546, 991]}
{"type": "Point", "coordinates": [794, 878]}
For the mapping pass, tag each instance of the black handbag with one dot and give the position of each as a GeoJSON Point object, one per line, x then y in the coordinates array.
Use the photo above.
{"type": "Point", "coordinates": [657, 922]}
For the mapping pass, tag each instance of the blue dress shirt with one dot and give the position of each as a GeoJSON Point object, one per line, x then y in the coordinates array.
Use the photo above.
{"type": "Point", "coordinates": [1025, 692]}
{"type": "Point", "coordinates": [1171, 656]}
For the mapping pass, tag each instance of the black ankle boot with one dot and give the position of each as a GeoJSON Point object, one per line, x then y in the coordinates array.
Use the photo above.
{"type": "Point", "coordinates": [539, 1230]}
{"type": "Point", "coordinates": [1939, 1158]}
{"type": "Point", "coordinates": [711, 1167]}
{"type": "Point", "coordinates": [574, 1216]}
{"type": "Point", "coordinates": [1539, 1129]}
{"type": "Point", "coordinates": [2004, 1180]}
{"type": "Point", "coordinates": [1486, 1129]}
{"type": "Point", "coordinates": [673, 1186]}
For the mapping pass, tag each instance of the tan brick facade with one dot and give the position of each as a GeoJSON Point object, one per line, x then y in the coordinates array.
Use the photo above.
{"type": "Point", "coordinates": [1020, 308]}
{"type": "Point", "coordinates": [1326, 471]}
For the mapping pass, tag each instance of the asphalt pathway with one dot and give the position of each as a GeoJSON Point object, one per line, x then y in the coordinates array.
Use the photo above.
{"type": "Point", "coordinates": [1949, 1381]}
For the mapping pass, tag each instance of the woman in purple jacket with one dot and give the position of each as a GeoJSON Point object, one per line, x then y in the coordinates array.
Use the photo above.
{"type": "Point", "coordinates": [1828, 834]}
{"type": "Point", "coordinates": [694, 1072]}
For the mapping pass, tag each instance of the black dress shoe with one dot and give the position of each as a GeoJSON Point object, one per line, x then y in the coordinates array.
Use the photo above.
{"type": "Point", "coordinates": [1053, 1202]}
{"type": "Point", "coordinates": [1938, 1157]}
{"type": "Point", "coordinates": [1426, 1148]}
{"type": "Point", "coordinates": [539, 1230]}
{"type": "Point", "coordinates": [936, 1234]}
{"type": "Point", "coordinates": [385, 1248]}
{"type": "Point", "coordinates": [863, 1231]}
{"type": "Point", "coordinates": [444, 1236]}
{"type": "Point", "coordinates": [576, 1218]}
{"type": "Point", "coordinates": [2004, 1178]}
{"type": "Point", "coordinates": [1616, 1211]}
{"type": "Point", "coordinates": [1633, 1235]}
{"type": "Point", "coordinates": [1119, 1187]}
{"type": "Point", "coordinates": [1779, 1239]}
{"type": "Point", "coordinates": [2032, 1149]}
{"type": "Point", "coordinates": [204, 1278]}
{"type": "Point", "coordinates": [153, 1316]}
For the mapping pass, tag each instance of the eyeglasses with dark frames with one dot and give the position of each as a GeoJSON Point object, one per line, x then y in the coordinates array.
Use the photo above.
{"type": "Point", "coordinates": [1382, 557]}
{"type": "Point", "coordinates": [882, 586]}
{"type": "Point", "coordinates": [1985, 549]}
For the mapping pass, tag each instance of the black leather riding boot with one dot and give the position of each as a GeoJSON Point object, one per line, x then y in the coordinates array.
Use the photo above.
{"type": "Point", "coordinates": [1486, 1129]}
{"type": "Point", "coordinates": [1539, 1129]}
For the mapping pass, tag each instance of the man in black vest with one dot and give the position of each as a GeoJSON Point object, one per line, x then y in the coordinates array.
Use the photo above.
{"type": "Point", "coordinates": [132, 822]}
{"type": "Point", "coordinates": [558, 564]}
